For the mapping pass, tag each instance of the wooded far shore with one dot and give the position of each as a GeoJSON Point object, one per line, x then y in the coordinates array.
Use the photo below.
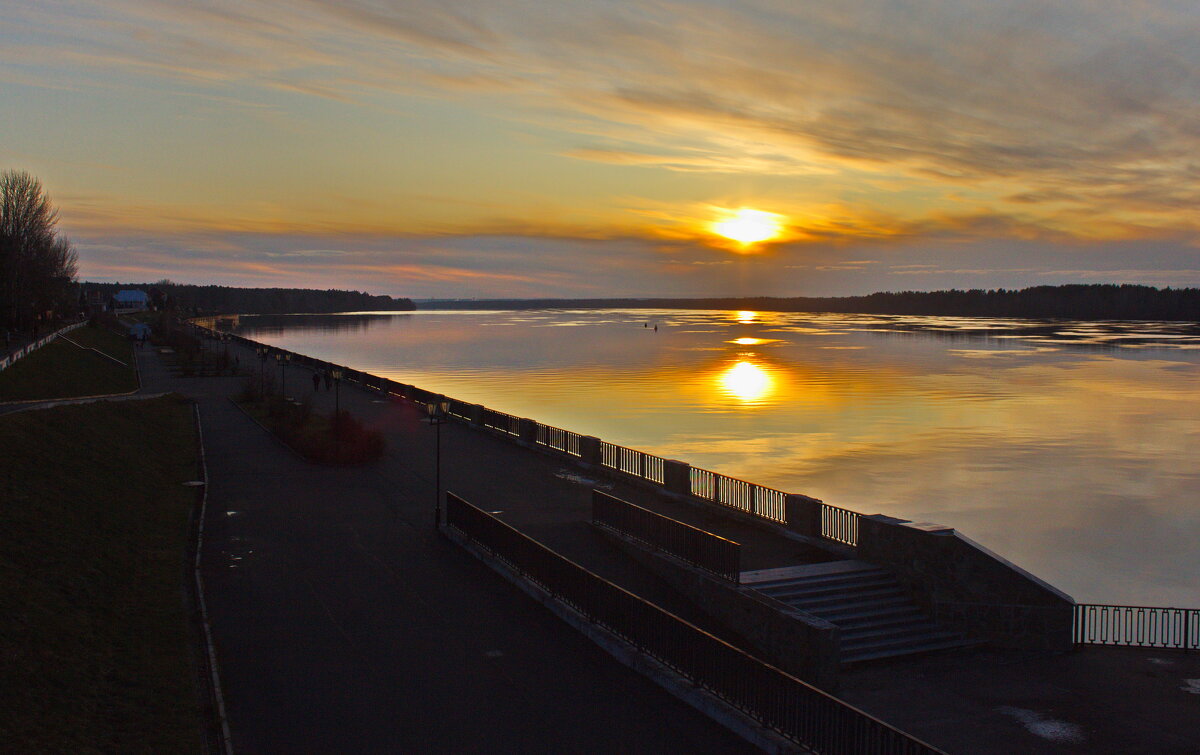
{"type": "Point", "coordinates": [1078, 302]}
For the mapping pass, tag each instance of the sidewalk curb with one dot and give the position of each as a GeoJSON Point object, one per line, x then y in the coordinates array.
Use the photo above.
{"type": "Point", "coordinates": [226, 743]}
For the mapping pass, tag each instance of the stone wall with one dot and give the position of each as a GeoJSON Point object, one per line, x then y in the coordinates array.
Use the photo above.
{"type": "Point", "coordinates": [967, 586]}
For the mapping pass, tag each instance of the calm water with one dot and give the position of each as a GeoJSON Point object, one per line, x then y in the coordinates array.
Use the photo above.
{"type": "Point", "coordinates": [1069, 448]}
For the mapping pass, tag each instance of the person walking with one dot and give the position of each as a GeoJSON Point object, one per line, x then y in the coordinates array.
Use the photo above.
{"type": "Point", "coordinates": [316, 381]}
{"type": "Point", "coordinates": [328, 380]}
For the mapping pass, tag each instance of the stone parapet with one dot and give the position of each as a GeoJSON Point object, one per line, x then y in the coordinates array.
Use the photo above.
{"type": "Point", "coordinates": [677, 477]}
{"type": "Point", "coordinates": [527, 431]}
{"type": "Point", "coordinates": [803, 514]}
{"type": "Point", "coordinates": [966, 585]}
{"type": "Point", "coordinates": [589, 450]}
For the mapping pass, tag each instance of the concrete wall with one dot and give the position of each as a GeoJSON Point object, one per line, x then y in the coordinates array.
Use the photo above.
{"type": "Point", "coordinates": [799, 643]}
{"type": "Point", "coordinates": [967, 586]}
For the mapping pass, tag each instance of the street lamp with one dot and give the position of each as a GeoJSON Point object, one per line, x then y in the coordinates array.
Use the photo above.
{"type": "Point", "coordinates": [437, 415]}
{"type": "Point", "coordinates": [262, 370]}
{"type": "Point", "coordinates": [283, 360]}
{"type": "Point", "coordinates": [337, 384]}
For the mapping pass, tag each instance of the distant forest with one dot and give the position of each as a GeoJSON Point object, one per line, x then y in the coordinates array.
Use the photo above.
{"type": "Point", "coordinates": [1077, 302]}
{"type": "Point", "coordinates": [251, 301]}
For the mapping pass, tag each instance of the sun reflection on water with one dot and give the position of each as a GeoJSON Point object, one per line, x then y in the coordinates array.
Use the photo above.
{"type": "Point", "coordinates": [747, 382]}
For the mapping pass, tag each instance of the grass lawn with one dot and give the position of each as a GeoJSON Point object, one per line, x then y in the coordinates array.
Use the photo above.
{"type": "Point", "coordinates": [95, 644]}
{"type": "Point", "coordinates": [61, 370]}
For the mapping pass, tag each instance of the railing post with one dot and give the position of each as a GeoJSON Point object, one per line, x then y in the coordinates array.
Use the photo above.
{"type": "Point", "coordinates": [677, 477]}
{"type": "Point", "coordinates": [528, 430]}
{"type": "Point", "coordinates": [803, 514]}
{"type": "Point", "coordinates": [589, 450]}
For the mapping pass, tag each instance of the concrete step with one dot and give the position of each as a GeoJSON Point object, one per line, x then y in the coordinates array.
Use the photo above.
{"type": "Point", "coordinates": [765, 577]}
{"type": "Point", "coordinates": [896, 625]}
{"type": "Point", "coordinates": [845, 599]}
{"type": "Point", "coordinates": [894, 643]}
{"type": "Point", "coordinates": [861, 656]}
{"type": "Point", "coordinates": [807, 588]}
{"type": "Point", "coordinates": [863, 616]}
{"type": "Point", "coordinates": [877, 618]}
{"type": "Point", "coordinates": [915, 632]}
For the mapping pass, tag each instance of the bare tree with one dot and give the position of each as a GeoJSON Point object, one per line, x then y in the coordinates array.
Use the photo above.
{"type": "Point", "coordinates": [37, 266]}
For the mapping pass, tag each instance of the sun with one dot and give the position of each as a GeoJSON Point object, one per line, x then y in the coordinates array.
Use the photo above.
{"type": "Point", "coordinates": [747, 226]}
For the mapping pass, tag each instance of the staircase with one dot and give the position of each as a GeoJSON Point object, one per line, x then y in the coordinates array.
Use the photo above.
{"type": "Point", "coordinates": [876, 617]}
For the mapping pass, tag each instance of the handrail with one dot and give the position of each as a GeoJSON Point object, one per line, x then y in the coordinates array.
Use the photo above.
{"type": "Point", "coordinates": [783, 703]}
{"type": "Point", "coordinates": [1137, 626]}
{"type": "Point", "coordinates": [14, 356]}
{"type": "Point", "coordinates": [633, 462]}
{"type": "Point", "coordinates": [702, 549]}
{"type": "Point", "coordinates": [835, 524]}
{"type": "Point", "coordinates": [559, 439]}
{"type": "Point", "coordinates": [739, 494]}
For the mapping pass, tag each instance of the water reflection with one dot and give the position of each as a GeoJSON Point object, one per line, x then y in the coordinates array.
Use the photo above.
{"type": "Point", "coordinates": [1066, 447]}
{"type": "Point", "coordinates": [747, 382]}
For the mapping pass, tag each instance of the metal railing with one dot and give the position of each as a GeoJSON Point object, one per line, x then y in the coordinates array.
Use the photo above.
{"type": "Point", "coordinates": [1137, 626]}
{"type": "Point", "coordinates": [12, 357]}
{"type": "Point", "coordinates": [839, 525]}
{"type": "Point", "coordinates": [630, 461]}
{"type": "Point", "coordinates": [460, 409]}
{"type": "Point", "coordinates": [792, 708]}
{"type": "Point", "coordinates": [739, 494]}
{"type": "Point", "coordinates": [505, 423]}
{"type": "Point", "coordinates": [836, 524]}
{"type": "Point", "coordinates": [558, 439]}
{"type": "Point", "coordinates": [692, 545]}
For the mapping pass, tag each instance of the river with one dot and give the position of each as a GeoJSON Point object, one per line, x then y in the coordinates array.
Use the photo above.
{"type": "Point", "coordinates": [1069, 448]}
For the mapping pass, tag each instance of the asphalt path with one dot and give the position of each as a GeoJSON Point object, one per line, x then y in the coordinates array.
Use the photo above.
{"type": "Point", "coordinates": [344, 623]}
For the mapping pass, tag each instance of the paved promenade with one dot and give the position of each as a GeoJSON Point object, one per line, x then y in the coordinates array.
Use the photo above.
{"type": "Point", "coordinates": [344, 623]}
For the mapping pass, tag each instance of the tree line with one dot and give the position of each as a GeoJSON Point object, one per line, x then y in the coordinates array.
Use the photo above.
{"type": "Point", "coordinates": [1075, 301]}
{"type": "Point", "coordinates": [200, 300]}
{"type": "Point", "coordinates": [37, 264]}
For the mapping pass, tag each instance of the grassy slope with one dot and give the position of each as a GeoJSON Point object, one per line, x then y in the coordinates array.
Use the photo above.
{"type": "Point", "coordinates": [60, 370]}
{"type": "Point", "coordinates": [93, 628]}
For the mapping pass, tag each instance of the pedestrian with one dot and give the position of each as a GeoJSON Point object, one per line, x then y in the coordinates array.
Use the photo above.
{"type": "Point", "coordinates": [316, 380]}
{"type": "Point", "coordinates": [328, 380]}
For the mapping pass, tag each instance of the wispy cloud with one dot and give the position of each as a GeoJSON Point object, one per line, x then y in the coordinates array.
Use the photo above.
{"type": "Point", "coordinates": [868, 124]}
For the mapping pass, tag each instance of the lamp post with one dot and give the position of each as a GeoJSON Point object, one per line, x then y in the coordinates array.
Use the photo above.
{"type": "Point", "coordinates": [337, 384]}
{"type": "Point", "coordinates": [437, 415]}
{"type": "Point", "coordinates": [283, 360]}
{"type": "Point", "coordinates": [337, 411]}
{"type": "Point", "coordinates": [262, 370]}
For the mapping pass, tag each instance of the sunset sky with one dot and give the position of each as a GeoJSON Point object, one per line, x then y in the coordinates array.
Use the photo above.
{"type": "Point", "coordinates": [587, 148]}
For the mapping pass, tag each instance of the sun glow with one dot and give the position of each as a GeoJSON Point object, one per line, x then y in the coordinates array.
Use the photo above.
{"type": "Point", "coordinates": [747, 382]}
{"type": "Point", "coordinates": [747, 226]}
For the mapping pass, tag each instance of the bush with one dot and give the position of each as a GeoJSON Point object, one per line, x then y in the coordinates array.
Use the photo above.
{"type": "Point", "coordinates": [319, 438]}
